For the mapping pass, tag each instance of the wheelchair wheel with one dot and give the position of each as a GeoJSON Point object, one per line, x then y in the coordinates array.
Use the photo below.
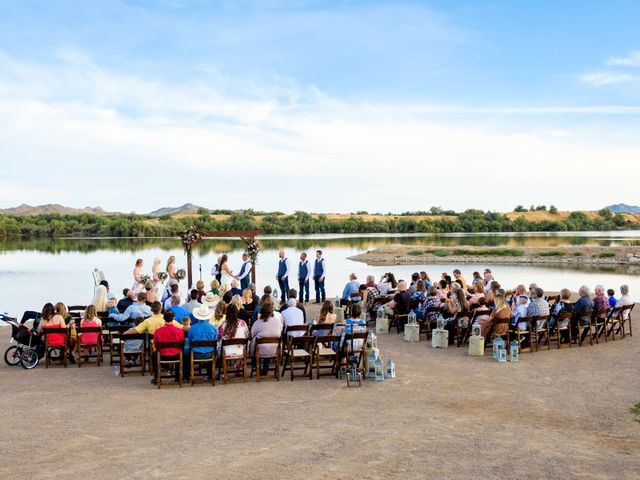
{"type": "Point", "coordinates": [12, 356]}
{"type": "Point", "coordinates": [29, 359]}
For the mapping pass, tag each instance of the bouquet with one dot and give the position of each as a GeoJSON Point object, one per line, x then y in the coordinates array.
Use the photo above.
{"type": "Point", "coordinates": [181, 274]}
{"type": "Point", "coordinates": [162, 276]}
{"type": "Point", "coordinates": [145, 278]}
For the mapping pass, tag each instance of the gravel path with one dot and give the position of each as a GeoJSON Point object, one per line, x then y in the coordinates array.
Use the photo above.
{"type": "Point", "coordinates": [556, 414]}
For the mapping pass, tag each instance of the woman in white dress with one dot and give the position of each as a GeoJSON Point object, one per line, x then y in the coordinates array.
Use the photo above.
{"type": "Point", "coordinates": [155, 269]}
{"type": "Point", "coordinates": [137, 276]}
{"type": "Point", "coordinates": [171, 267]}
{"type": "Point", "coordinates": [226, 272]}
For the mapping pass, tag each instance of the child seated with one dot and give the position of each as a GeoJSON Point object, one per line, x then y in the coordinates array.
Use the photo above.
{"type": "Point", "coordinates": [612, 300]}
{"type": "Point", "coordinates": [521, 311]}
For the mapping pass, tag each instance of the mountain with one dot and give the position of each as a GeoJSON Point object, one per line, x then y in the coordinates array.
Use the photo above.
{"type": "Point", "coordinates": [25, 209]}
{"type": "Point", "coordinates": [623, 208]}
{"type": "Point", "coordinates": [187, 208]}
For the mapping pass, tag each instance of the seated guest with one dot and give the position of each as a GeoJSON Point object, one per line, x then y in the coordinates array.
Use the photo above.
{"type": "Point", "coordinates": [90, 320]}
{"type": "Point", "coordinates": [249, 302]}
{"type": "Point", "coordinates": [179, 311]}
{"type": "Point", "coordinates": [112, 308]}
{"type": "Point", "coordinates": [520, 291]}
{"type": "Point", "coordinates": [267, 325]}
{"type": "Point", "coordinates": [126, 301]}
{"type": "Point", "coordinates": [219, 314]}
{"type": "Point", "coordinates": [200, 331]}
{"type": "Point", "coordinates": [152, 296]}
{"type": "Point", "coordinates": [457, 274]}
{"type": "Point", "coordinates": [353, 324]}
{"type": "Point", "coordinates": [50, 318]}
{"type": "Point", "coordinates": [170, 290]}
{"type": "Point", "coordinates": [215, 287]}
{"type": "Point", "coordinates": [242, 313]}
{"type": "Point", "coordinates": [351, 287]}
{"type": "Point", "coordinates": [563, 306]}
{"type": "Point", "coordinates": [483, 317]}
{"type": "Point", "coordinates": [234, 290]}
{"type": "Point", "coordinates": [387, 284]}
{"type": "Point", "coordinates": [581, 314]}
{"type": "Point", "coordinates": [205, 314]}
{"type": "Point", "coordinates": [487, 278]}
{"type": "Point", "coordinates": [520, 312]}
{"type": "Point", "coordinates": [414, 280]}
{"type": "Point", "coordinates": [432, 305]}
{"type": "Point", "coordinates": [140, 309]}
{"type": "Point", "coordinates": [292, 316]}
{"type": "Point", "coordinates": [401, 301]}
{"type": "Point", "coordinates": [532, 288]}
{"type": "Point", "coordinates": [425, 278]}
{"type": "Point", "coordinates": [232, 327]}
{"type": "Point", "coordinates": [256, 299]}
{"type": "Point", "coordinates": [499, 316]}
{"type": "Point", "coordinates": [326, 316]}
{"type": "Point", "coordinates": [168, 333]}
{"type": "Point", "coordinates": [477, 292]}
{"type": "Point", "coordinates": [293, 293]}
{"type": "Point", "coordinates": [194, 301]}
{"type": "Point", "coordinates": [538, 306]}
{"type": "Point", "coordinates": [611, 298]}
{"type": "Point", "coordinates": [442, 290]}
{"type": "Point", "coordinates": [370, 295]}
{"type": "Point", "coordinates": [600, 304]}
{"type": "Point", "coordinates": [175, 290]}
{"type": "Point", "coordinates": [490, 294]}
{"type": "Point", "coordinates": [477, 278]}
{"type": "Point", "coordinates": [457, 302]}
{"type": "Point", "coordinates": [151, 324]}
{"type": "Point", "coordinates": [624, 299]}
{"type": "Point", "coordinates": [200, 290]}
{"type": "Point", "coordinates": [418, 299]}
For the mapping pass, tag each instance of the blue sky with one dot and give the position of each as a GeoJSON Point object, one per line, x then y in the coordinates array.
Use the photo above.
{"type": "Point", "coordinates": [290, 105]}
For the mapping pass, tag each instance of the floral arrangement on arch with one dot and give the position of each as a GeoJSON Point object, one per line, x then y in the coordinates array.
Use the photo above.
{"type": "Point", "coordinates": [181, 274]}
{"type": "Point", "coordinates": [253, 248]}
{"type": "Point", "coordinates": [190, 238]}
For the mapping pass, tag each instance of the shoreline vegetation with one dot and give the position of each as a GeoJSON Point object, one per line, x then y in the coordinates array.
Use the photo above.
{"type": "Point", "coordinates": [562, 255]}
{"type": "Point", "coordinates": [436, 220]}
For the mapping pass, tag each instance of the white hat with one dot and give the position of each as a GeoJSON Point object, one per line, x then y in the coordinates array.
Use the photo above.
{"type": "Point", "coordinates": [210, 299]}
{"type": "Point", "coordinates": [202, 312]}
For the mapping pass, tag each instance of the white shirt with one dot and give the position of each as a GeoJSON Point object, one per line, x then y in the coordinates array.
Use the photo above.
{"type": "Point", "coordinates": [247, 269]}
{"type": "Point", "coordinates": [214, 270]}
{"type": "Point", "coordinates": [293, 316]}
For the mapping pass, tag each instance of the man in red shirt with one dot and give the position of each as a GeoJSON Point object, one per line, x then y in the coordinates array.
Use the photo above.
{"type": "Point", "coordinates": [167, 334]}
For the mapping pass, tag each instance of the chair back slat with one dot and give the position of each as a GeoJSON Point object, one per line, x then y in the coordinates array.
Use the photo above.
{"type": "Point", "coordinates": [202, 343]}
{"type": "Point", "coordinates": [163, 345]}
{"type": "Point", "coordinates": [267, 340]}
{"type": "Point", "coordinates": [235, 341]}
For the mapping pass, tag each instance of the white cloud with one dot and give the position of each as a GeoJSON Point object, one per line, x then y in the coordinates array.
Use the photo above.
{"type": "Point", "coordinates": [633, 60]}
{"type": "Point", "coordinates": [601, 79]}
{"type": "Point", "coordinates": [79, 134]}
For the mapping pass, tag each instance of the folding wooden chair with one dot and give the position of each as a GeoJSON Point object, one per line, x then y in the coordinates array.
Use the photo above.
{"type": "Point", "coordinates": [464, 332]}
{"type": "Point", "coordinates": [358, 340]}
{"type": "Point", "coordinates": [398, 320]}
{"type": "Point", "coordinates": [540, 325]}
{"type": "Point", "coordinates": [139, 355]}
{"type": "Point", "coordinates": [505, 336]}
{"type": "Point", "coordinates": [526, 334]}
{"type": "Point", "coordinates": [64, 349]}
{"type": "Point", "coordinates": [76, 312]}
{"type": "Point", "coordinates": [227, 359]}
{"type": "Point", "coordinates": [114, 342]}
{"type": "Point", "coordinates": [614, 323]}
{"type": "Point", "coordinates": [323, 351]}
{"type": "Point", "coordinates": [88, 347]}
{"type": "Point", "coordinates": [298, 350]}
{"type": "Point", "coordinates": [626, 320]}
{"type": "Point", "coordinates": [428, 324]}
{"type": "Point", "coordinates": [355, 297]}
{"type": "Point", "coordinates": [166, 362]}
{"type": "Point", "coordinates": [197, 364]}
{"type": "Point", "coordinates": [564, 331]}
{"type": "Point", "coordinates": [321, 329]}
{"type": "Point", "coordinates": [599, 322]}
{"type": "Point", "coordinates": [288, 330]}
{"type": "Point", "coordinates": [584, 329]}
{"type": "Point", "coordinates": [275, 359]}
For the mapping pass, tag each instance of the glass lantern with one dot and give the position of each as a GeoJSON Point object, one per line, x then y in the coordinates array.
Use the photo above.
{"type": "Point", "coordinates": [476, 330]}
{"type": "Point", "coordinates": [371, 364]}
{"type": "Point", "coordinates": [380, 313]}
{"type": "Point", "coordinates": [440, 322]}
{"type": "Point", "coordinates": [336, 302]}
{"type": "Point", "coordinates": [275, 296]}
{"type": "Point", "coordinates": [379, 365]}
{"type": "Point", "coordinates": [391, 370]}
{"type": "Point", "coordinates": [412, 318]}
{"type": "Point", "coordinates": [514, 352]}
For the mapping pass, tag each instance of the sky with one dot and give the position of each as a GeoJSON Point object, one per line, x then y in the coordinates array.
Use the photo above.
{"type": "Point", "coordinates": [322, 106]}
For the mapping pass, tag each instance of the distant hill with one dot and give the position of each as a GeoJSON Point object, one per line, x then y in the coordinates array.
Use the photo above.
{"type": "Point", "coordinates": [623, 208]}
{"type": "Point", "coordinates": [186, 209]}
{"type": "Point", "coordinates": [25, 209]}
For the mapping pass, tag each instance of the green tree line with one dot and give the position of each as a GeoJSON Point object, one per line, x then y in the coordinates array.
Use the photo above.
{"type": "Point", "coordinates": [132, 225]}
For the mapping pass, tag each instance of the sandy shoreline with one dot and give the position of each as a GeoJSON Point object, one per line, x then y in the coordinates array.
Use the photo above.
{"type": "Point", "coordinates": [563, 255]}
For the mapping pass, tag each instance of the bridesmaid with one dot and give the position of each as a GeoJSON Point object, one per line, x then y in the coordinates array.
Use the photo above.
{"type": "Point", "coordinates": [137, 276]}
{"type": "Point", "coordinates": [155, 269]}
{"type": "Point", "coordinates": [171, 267]}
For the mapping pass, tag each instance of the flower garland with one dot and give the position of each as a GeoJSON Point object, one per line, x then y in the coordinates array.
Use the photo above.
{"type": "Point", "coordinates": [253, 248]}
{"type": "Point", "coordinates": [190, 239]}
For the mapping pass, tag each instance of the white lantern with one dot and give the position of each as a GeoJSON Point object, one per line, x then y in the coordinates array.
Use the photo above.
{"type": "Point", "coordinates": [412, 332]}
{"type": "Point", "coordinates": [382, 324]}
{"type": "Point", "coordinates": [476, 330]}
{"type": "Point", "coordinates": [514, 352]}
{"type": "Point", "coordinates": [412, 319]}
{"type": "Point", "coordinates": [379, 370]}
{"type": "Point", "coordinates": [336, 302]}
{"type": "Point", "coordinates": [391, 370]}
{"type": "Point", "coordinates": [440, 322]}
{"type": "Point", "coordinates": [371, 364]}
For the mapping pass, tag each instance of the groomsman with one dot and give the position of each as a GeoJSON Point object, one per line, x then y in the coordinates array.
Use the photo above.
{"type": "Point", "coordinates": [304, 272]}
{"type": "Point", "coordinates": [244, 275]}
{"type": "Point", "coordinates": [283, 275]}
{"type": "Point", "coordinates": [319, 273]}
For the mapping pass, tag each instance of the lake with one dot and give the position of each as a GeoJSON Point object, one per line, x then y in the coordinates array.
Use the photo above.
{"type": "Point", "coordinates": [33, 272]}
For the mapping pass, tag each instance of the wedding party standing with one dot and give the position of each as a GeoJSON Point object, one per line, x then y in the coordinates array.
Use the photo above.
{"type": "Point", "coordinates": [319, 273]}
{"type": "Point", "coordinates": [226, 274]}
{"type": "Point", "coordinates": [244, 275]}
{"type": "Point", "coordinates": [283, 275]}
{"type": "Point", "coordinates": [137, 276]}
{"type": "Point", "coordinates": [171, 267]}
{"type": "Point", "coordinates": [304, 272]}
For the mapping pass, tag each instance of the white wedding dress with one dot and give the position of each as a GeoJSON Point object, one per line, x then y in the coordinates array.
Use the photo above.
{"type": "Point", "coordinates": [226, 277]}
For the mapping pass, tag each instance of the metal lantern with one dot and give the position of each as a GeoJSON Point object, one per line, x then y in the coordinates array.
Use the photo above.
{"type": "Point", "coordinates": [500, 350]}
{"type": "Point", "coordinates": [440, 322]}
{"type": "Point", "coordinates": [391, 370]}
{"type": "Point", "coordinates": [275, 296]}
{"type": "Point", "coordinates": [379, 370]}
{"type": "Point", "coordinates": [380, 313]}
{"type": "Point", "coordinates": [476, 330]}
{"type": "Point", "coordinates": [412, 318]}
{"type": "Point", "coordinates": [514, 352]}
{"type": "Point", "coordinates": [371, 364]}
{"type": "Point", "coordinates": [372, 341]}
{"type": "Point", "coordinates": [336, 302]}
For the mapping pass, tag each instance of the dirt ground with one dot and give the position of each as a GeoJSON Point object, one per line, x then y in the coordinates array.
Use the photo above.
{"type": "Point", "coordinates": [556, 414]}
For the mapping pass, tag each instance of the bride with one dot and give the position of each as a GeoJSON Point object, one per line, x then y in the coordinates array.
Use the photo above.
{"type": "Point", "coordinates": [226, 272]}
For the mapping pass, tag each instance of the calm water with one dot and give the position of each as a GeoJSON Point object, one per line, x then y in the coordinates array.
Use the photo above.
{"type": "Point", "coordinates": [33, 272]}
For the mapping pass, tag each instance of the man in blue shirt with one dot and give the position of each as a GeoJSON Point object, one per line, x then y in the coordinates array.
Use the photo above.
{"type": "Point", "coordinates": [200, 331]}
{"type": "Point", "coordinates": [179, 311]}
{"type": "Point", "coordinates": [352, 287]}
{"type": "Point", "coordinates": [134, 311]}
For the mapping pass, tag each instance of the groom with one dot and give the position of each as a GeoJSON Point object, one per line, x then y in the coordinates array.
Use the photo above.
{"type": "Point", "coordinates": [244, 273]}
{"type": "Point", "coordinates": [283, 275]}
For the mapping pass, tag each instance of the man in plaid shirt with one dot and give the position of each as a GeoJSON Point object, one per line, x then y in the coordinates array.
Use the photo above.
{"type": "Point", "coordinates": [599, 302]}
{"type": "Point", "coordinates": [538, 305]}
